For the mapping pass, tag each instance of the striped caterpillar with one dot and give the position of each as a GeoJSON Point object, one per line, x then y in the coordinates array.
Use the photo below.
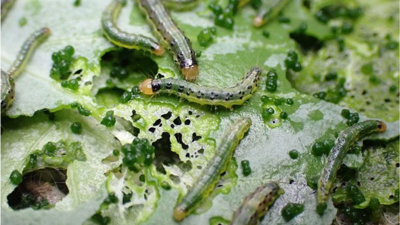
{"type": "Point", "coordinates": [121, 38]}
{"type": "Point", "coordinates": [346, 138]}
{"type": "Point", "coordinates": [183, 54]}
{"type": "Point", "coordinates": [7, 91]}
{"type": "Point", "coordinates": [5, 7]}
{"type": "Point", "coordinates": [226, 97]}
{"type": "Point", "coordinates": [180, 5]}
{"type": "Point", "coordinates": [24, 55]}
{"type": "Point", "coordinates": [256, 204]}
{"type": "Point", "coordinates": [269, 12]}
{"type": "Point", "coordinates": [211, 174]}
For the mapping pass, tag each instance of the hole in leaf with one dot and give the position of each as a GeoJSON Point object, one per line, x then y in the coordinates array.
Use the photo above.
{"type": "Point", "coordinates": [306, 42]}
{"type": "Point", "coordinates": [178, 137]}
{"type": "Point", "coordinates": [167, 115]}
{"type": "Point", "coordinates": [163, 153]}
{"type": "Point", "coordinates": [195, 137]}
{"type": "Point", "coordinates": [39, 189]}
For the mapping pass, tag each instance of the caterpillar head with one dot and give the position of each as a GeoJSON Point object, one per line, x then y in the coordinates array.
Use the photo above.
{"type": "Point", "coordinates": [146, 88]}
{"type": "Point", "coordinates": [189, 69]}
{"type": "Point", "coordinates": [179, 214]}
{"type": "Point", "coordinates": [191, 72]}
{"type": "Point", "coordinates": [157, 50]}
{"type": "Point", "coordinates": [381, 126]}
{"type": "Point", "coordinates": [258, 21]}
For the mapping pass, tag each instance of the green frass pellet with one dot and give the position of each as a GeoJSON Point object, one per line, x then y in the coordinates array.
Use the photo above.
{"type": "Point", "coordinates": [291, 210]}
{"type": "Point", "coordinates": [76, 128]}
{"type": "Point", "coordinates": [109, 119]}
{"type": "Point", "coordinates": [15, 177]}
{"type": "Point", "coordinates": [294, 154]}
{"type": "Point", "coordinates": [246, 170]}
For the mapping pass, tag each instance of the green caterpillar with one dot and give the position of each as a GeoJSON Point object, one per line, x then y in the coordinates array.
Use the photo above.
{"type": "Point", "coordinates": [346, 138]}
{"type": "Point", "coordinates": [180, 5]}
{"type": "Point", "coordinates": [5, 7]}
{"type": "Point", "coordinates": [226, 97]}
{"type": "Point", "coordinates": [256, 204]}
{"type": "Point", "coordinates": [7, 91]}
{"type": "Point", "coordinates": [24, 55]}
{"type": "Point", "coordinates": [211, 174]}
{"type": "Point", "coordinates": [183, 54]}
{"type": "Point", "coordinates": [121, 38]}
{"type": "Point", "coordinates": [269, 12]}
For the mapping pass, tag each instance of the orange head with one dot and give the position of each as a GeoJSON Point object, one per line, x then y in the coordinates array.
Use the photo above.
{"type": "Point", "coordinates": [46, 30]}
{"type": "Point", "coordinates": [190, 73]}
{"type": "Point", "coordinates": [158, 50]}
{"type": "Point", "coordinates": [381, 126]}
{"type": "Point", "coordinates": [145, 87]}
{"type": "Point", "coordinates": [179, 214]}
{"type": "Point", "coordinates": [258, 21]}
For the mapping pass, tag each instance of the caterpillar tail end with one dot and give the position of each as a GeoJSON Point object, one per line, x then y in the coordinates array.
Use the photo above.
{"type": "Point", "coordinates": [258, 21]}
{"type": "Point", "coordinates": [146, 88]}
{"type": "Point", "coordinates": [179, 214]}
{"type": "Point", "coordinates": [190, 73]}
{"type": "Point", "coordinates": [158, 51]}
{"type": "Point", "coordinates": [381, 126]}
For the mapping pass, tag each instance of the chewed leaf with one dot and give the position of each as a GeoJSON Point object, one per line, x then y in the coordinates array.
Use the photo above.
{"type": "Point", "coordinates": [83, 155]}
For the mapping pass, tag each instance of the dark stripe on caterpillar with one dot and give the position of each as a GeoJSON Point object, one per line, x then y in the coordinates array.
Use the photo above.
{"type": "Point", "coordinates": [346, 139]}
{"type": "Point", "coordinates": [211, 174]}
{"type": "Point", "coordinates": [27, 50]}
{"type": "Point", "coordinates": [256, 204]}
{"type": "Point", "coordinates": [183, 54]}
{"type": "Point", "coordinates": [124, 39]}
{"type": "Point", "coordinates": [226, 97]}
{"type": "Point", "coordinates": [24, 55]}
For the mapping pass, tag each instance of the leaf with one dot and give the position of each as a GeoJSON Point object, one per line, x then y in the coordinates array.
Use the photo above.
{"type": "Point", "coordinates": [377, 177]}
{"type": "Point", "coordinates": [183, 148]}
{"type": "Point", "coordinates": [84, 178]}
{"type": "Point", "coordinates": [75, 216]}
{"type": "Point", "coordinates": [372, 71]}
{"type": "Point", "coordinates": [69, 25]}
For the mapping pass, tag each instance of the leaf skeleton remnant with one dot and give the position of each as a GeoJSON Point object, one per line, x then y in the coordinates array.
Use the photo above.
{"type": "Point", "coordinates": [226, 97]}
{"type": "Point", "coordinates": [211, 174]}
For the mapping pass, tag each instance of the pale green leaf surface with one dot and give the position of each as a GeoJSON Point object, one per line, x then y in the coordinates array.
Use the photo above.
{"type": "Point", "coordinates": [84, 178]}
{"type": "Point", "coordinates": [222, 64]}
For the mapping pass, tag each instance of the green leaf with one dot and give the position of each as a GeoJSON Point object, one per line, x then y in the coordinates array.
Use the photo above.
{"type": "Point", "coordinates": [51, 216]}
{"type": "Point", "coordinates": [185, 134]}
{"type": "Point", "coordinates": [85, 176]}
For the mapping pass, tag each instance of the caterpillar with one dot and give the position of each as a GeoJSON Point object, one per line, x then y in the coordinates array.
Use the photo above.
{"type": "Point", "coordinates": [226, 97]}
{"type": "Point", "coordinates": [124, 39]}
{"type": "Point", "coordinates": [5, 7]}
{"type": "Point", "coordinates": [211, 174]}
{"type": "Point", "coordinates": [24, 55]}
{"type": "Point", "coordinates": [180, 5]}
{"type": "Point", "coordinates": [27, 50]}
{"type": "Point", "coordinates": [256, 204]}
{"type": "Point", "coordinates": [7, 91]}
{"type": "Point", "coordinates": [179, 45]}
{"type": "Point", "coordinates": [346, 138]}
{"type": "Point", "coordinates": [269, 12]}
